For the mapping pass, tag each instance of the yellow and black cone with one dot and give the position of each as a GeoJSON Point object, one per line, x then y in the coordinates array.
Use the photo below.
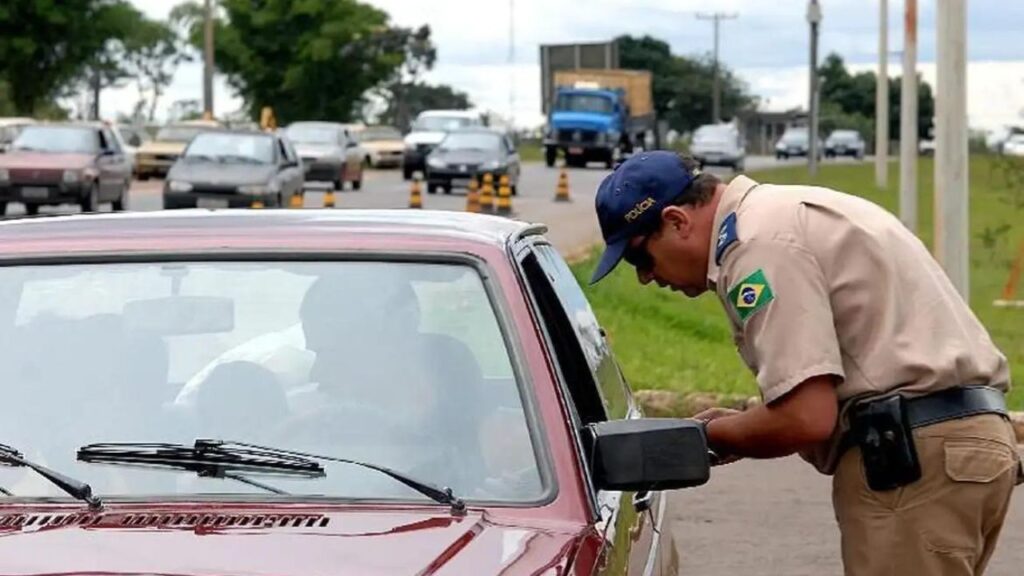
{"type": "Point", "coordinates": [329, 199]}
{"type": "Point", "coordinates": [504, 204]}
{"type": "Point", "coordinates": [296, 201]}
{"type": "Point", "coordinates": [562, 190]}
{"type": "Point", "coordinates": [487, 193]}
{"type": "Point", "coordinates": [257, 203]}
{"type": "Point", "coordinates": [473, 197]}
{"type": "Point", "coordinates": [416, 193]}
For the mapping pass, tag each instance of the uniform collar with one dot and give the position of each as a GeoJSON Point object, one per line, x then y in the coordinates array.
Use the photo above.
{"type": "Point", "coordinates": [725, 222]}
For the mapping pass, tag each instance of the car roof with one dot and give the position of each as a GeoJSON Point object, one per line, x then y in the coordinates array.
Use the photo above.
{"type": "Point", "coordinates": [456, 113]}
{"type": "Point", "coordinates": [292, 231]}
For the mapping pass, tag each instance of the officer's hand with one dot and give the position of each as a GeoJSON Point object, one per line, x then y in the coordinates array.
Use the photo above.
{"type": "Point", "coordinates": [714, 413]}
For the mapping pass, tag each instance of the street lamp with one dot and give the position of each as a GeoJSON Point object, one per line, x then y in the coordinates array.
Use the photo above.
{"type": "Point", "coordinates": [814, 19]}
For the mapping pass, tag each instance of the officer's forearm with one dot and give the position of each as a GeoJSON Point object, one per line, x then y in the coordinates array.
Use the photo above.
{"type": "Point", "coordinates": [802, 419]}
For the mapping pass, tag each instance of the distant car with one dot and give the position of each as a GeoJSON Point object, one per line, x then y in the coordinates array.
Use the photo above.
{"type": "Point", "coordinates": [329, 152]}
{"type": "Point", "coordinates": [795, 142]}
{"type": "Point", "coordinates": [132, 137]}
{"type": "Point", "coordinates": [383, 144]}
{"type": "Point", "coordinates": [9, 130]}
{"type": "Point", "coordinates": [430, 127]}
{"type": "Point", "coordinates": [77, 163]}
{"type": "Point", "coordinates": [472, 152]}
{"type": "Point", "coordinates": [1014, 145]}
{"type": "Point", "coordinates": [719, 145]}
{"type": "Point", "coordinates": [154, 158]}
{"type": "Point", "coordinates": [844, 143]}
{"type": "Point", "coordinates": [230, 169]}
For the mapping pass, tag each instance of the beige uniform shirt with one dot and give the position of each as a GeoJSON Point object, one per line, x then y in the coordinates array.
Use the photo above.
{"type": "Point", "coordinates": [816, 282]}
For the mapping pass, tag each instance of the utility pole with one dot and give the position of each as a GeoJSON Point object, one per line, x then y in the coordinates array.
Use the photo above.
{"type": "Point", "coordinates": [951, 166]}
{"type": "Point", "coordinates": [908, 119]}
{"type": "Point", "coordinates": [882, 99]}
{"type": "Point", "coordinates": [512, 65]}
{"type": "Point", "coordinates": [208, 60]}
{"type": "Point", "coordinates": [716, 90]}
{"type": "Point", "coordinates": [814, 19]}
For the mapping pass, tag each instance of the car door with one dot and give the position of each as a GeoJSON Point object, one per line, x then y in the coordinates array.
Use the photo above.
{"type": "Point", "coordinates": [353, 157]}
{"type": "Point", "coordinates": [112, 165]}
{"type": "Point", "coordinates": [512, 157]}
{"type": "Point", "coordinates": [292, 174]}
{"type": "Point", "coordinates": [629, 522]}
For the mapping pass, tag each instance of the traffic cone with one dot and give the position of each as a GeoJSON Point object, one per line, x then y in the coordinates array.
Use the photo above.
{"type": "Point", "coordinates": [562, 190]}
{"type": "Point", "coordinates": [504, 204]}
{"type": "Point", "coordinates": [296, 201]}
{"type": "Point", "coordinates": [473, 197]}
{"type": "Point", "coordinates": [416, 193]}
{"type": "Point", "coordinates": [487, 193]}
{"type": "Point", "coordinates": [329, 199]}
{"type": "Point", "coordinates": [257, 204]}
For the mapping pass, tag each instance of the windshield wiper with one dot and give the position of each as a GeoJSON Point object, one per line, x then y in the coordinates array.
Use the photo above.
{"type": "Point", "coordinates": [238, 158]}
{"type": "Point", "coordinates": [207, 458]}
{"type": "Point", "coordinates": [215, 458]}
{"type": "Point", "coordinates": [75, 488]}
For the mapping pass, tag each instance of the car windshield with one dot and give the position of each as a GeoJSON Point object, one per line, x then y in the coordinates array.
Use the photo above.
{"type": "Point", "coordinates": [178, 133]}
{"type": "Point", "coordinates": [712, 136]}
{"type": "Point", "coordinates": [584, 103]}
{"type": "Point", "coordinates": [442, 123]}
{"type": "Point", "coordinates": [379, 134]}
{"type": "Point", "coordinates": [232, 146]}
{"type": "Point", "coordinates": [306, 134]}
{"type": "Point", "coordinates": [795, 136]}
{"type": "Point", "coordinates": [471, 141]}
{"type": "Point", "coordinates": [844, 137]}
{"type": "Point", "coordinates": [58, 139]}
{"type": "Point", "coordinates": [402, 364]}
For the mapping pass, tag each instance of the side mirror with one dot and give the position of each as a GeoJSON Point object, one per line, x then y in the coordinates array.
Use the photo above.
{"type": "Point", "coordinates": [649, 454]}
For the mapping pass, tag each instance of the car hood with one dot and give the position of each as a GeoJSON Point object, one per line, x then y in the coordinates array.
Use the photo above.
{"type": "Point", "coordinates": [296, 542]}
{"type": "Point", "coordinates": [316, 150]}
{"type": "Point", "coordinates": [154, 147]}
{"type": "Point", "coordinates": [45, 160]}
{"type": "Point", "coordinates": [425, 137]}
{"type": "Point", "coordinates": [384, 145]}
{"type": "Point", "coordinates": [580, 121]}
{"type": "Point", "coordinates": [220, 174]}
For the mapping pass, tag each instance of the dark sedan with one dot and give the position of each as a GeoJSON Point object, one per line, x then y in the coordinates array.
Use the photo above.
{"type": "Point", "coordinates": [470, 153]}
{"type": "Point", "coordinates": [222, 169]}
{"type": "Point", "coordinates": [52, 164]}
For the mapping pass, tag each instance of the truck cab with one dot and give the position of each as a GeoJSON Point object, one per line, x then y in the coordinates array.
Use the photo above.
{"type": "Point", "coordinates": [587, 124]}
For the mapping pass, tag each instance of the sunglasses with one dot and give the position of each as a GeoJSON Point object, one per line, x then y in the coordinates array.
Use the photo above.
{"type": "Point", "coordinates": [638, 256]}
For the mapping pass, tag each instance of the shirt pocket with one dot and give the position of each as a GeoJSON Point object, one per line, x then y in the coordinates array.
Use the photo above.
{"type": "Point", "coordinates": [977, 460]}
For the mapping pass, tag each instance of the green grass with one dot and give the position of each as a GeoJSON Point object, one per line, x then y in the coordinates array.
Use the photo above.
{"type": "Point", "coordinates": [665, 341]}
{"type": "Point", "coordinates": [531, 151]}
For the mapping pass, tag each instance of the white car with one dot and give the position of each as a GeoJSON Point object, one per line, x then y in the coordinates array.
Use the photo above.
{"type": "Point", "coordinates": [844, 143]}
{"type": "Point", "coordinates": [384, 146]}
{"type": "Point", "coordinates": [430, 127]}
{"type": "Point", "coordinates": [719, 145]}
{"type": "Point", "coordinates": [1014, 145]}
{"type": "Point", "coordinates": [10, 128]}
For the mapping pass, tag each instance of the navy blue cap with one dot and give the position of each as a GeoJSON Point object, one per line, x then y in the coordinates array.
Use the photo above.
{"type": "Point", "coordinates": [630, 200]}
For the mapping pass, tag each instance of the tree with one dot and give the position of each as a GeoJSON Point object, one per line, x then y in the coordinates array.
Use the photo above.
{"type": "Point", "coordinates": [306, 59]}
{"type": "Point", "coordinates": [682, 86]}
{"type": "Point", "coordinates": [45, 45]}
{"type": "Point", "coordinates": [153, 53]}
{"type": "Point", "coordinates": [418, 97]}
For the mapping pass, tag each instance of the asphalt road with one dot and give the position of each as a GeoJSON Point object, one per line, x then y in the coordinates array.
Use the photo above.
{"type": "Point", "coordinates": [765, 518]}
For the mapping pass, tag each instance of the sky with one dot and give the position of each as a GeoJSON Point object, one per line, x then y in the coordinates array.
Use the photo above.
{"type": "Point", "coordinates": [767, 44]}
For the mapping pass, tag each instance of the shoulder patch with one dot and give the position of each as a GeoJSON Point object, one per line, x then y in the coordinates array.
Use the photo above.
{"type": "Point", "coordinates": [751, 294]}
{"type": "Point", "coordinates": [726, 236]}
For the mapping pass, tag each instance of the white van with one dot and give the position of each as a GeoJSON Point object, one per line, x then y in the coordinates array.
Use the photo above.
{"type": "Point", "coordinates": [429, 128]}
{"type": "Point", "coordinates": [719, 145]}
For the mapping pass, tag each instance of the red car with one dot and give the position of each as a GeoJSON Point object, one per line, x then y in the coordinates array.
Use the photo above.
{"type": "Point", "coordinates": [319, 392]}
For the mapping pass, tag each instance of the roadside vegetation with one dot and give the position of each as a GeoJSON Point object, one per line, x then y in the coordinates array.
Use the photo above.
{"type": "Point", "coordinates": [666, 342]}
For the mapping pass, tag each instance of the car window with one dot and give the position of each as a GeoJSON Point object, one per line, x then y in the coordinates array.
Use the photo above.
{"type": "Point", "coordinates": [242, 147]}
{"type": "Point", "coordinates": [297, 355]}
{"type": "Point", "coordinates": [58, 139]}
{"type": "Point", "coordinates": [111, 141]}
{"type": "Point", "coordinates": [289, 151]}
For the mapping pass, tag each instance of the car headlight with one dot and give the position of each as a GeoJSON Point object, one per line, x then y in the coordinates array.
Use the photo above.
{"type": "Point", "coordinates": [436, 163]}
{"type": "Point", "coordinates": [5, 176]}
{"type": "Point", "coordinates": [71, 176]}
{"type": "Point", "coordinates": [254, 189]}
{"type": "Point", "coordinates": [176, 186]}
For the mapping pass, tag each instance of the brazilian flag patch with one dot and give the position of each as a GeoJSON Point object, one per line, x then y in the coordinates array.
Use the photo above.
{"type": "Point", "coordinates": [751, 294]}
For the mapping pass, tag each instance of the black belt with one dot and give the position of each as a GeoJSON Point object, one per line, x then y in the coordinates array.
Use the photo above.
{"type": "Point", "coordinates": [953, 403]}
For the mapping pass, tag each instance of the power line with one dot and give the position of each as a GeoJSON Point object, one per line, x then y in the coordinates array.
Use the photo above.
{"type": "Point", "coordinates": [716, 91]}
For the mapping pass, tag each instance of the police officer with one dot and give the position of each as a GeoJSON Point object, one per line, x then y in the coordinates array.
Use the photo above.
{"type": "Point", "coordinates": [870, 365]}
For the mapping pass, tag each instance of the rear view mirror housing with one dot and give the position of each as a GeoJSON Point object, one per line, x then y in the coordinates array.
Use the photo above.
{"type": "Point", "coordinates": [649, 454]}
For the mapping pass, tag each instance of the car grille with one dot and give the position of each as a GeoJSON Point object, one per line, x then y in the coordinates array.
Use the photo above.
{"type": "Point", "coordinates": [577, 136]}
{"type": "Point", "coordinates": [166, 157]}
{"type": "Point", "coordinates": [11, 522]}
{"type": "Point", "coordinates": [214, 189]}
{"type": "Point", "coordinates": [33, 176]}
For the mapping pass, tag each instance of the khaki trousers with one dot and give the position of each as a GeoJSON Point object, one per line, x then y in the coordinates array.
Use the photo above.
{"type": "Point", "coordinates": [947, 523]}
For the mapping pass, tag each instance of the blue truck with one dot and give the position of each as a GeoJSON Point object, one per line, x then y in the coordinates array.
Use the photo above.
{"type": "Point", "coordinates": [597, 115]}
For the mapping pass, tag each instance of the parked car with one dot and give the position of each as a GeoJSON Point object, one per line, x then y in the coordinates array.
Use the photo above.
{"type": "Point", "coordinates": [795, 142]}
{"type": "Point", "coordinates": [329, 152]}
{"type": "Point", "coordinates": [844, 143]}
{"type": "Point", "coordinates": [9, 130]}
{"type": "Point", "coordinates": [383, 144]}
{"type": "Point", "coordinates": [470, 153]}
{"type": "Point", "coordinates": [255, 419]}
{"type": "Point", "coordinates": [77, 163]}
{"type": "Point", "coordinates": [430, 127]}
{"type": "Point", "coordinates": [719, 145]}
{"type": "Point", "coordinates": [230, 169]}
{"type": "Point", "coordinates": [155, 158]}
{"type": "Point", "coordinates": [1014, 145]}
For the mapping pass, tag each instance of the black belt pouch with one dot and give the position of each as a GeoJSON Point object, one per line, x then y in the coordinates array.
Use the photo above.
{"type": "Point", "coordinates": [882, 431]}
